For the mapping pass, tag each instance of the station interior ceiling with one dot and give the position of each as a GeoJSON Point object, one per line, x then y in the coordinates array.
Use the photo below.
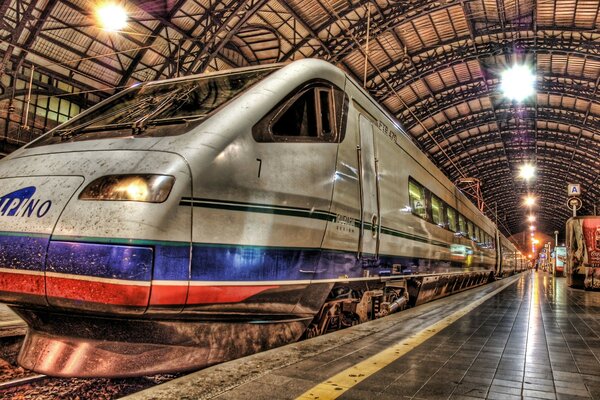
{"type": "Point", "coordinates": [435, 65]}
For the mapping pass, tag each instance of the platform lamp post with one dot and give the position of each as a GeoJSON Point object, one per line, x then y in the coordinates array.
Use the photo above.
{"type": "Point", "coordinates": [555, 253]}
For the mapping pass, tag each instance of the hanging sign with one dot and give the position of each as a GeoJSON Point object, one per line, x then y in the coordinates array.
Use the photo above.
{"type": "Point", "coordinates": [573, 189]}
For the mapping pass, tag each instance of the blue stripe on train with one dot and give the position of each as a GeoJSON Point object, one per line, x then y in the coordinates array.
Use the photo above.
{"type": "Point", "coordinates": [101, 260]}
{"type": "Point", "coordinates": [131, 260]}
{"type": "Point", "coordinates": [23, 252]}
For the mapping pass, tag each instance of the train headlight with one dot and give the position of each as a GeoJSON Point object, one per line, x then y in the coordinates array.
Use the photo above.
{"type": "Point", "coordinates": [145, 188]}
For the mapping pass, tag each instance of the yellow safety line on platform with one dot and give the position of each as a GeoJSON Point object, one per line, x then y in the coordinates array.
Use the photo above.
{"type": "Point", "coordinates": [337, 385]}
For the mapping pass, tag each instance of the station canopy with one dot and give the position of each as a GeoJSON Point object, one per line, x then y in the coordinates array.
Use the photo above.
{"type": "Point", "coordinates": [434, 65]}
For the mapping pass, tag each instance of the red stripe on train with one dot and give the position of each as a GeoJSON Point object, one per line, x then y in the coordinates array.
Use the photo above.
{"type": "Point", "coordinates": [22, 283]}
{"type": "Point", "coordinates": [163, 295]}
{"type": "Point", "coordinates": [223, 294]}
{"type": "Point", "coordinates": [98, 292]}
{"type": "Point", "coordinates": [126, 295]}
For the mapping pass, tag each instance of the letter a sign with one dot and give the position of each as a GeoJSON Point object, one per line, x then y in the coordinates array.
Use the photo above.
{"type": "Point", "coordinates": [573, 189]}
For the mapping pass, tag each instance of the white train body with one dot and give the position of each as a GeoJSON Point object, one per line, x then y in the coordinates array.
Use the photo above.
{"type": "Point", "coordinates": [265, 216]}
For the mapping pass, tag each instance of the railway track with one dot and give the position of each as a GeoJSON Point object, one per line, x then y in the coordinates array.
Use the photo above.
{"type": "Point", "coordinates": [21, 381]}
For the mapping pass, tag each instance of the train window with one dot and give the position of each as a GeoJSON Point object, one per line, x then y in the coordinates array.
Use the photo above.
{"type": "Point", "coordinates": [416, 195]}
{"type": "Point", "coordinates": [470, 232]}
{"type": "Point", "coordinates": [462, 224]}
{"type": "Point", "coordinates": [300, 119]}
{"type": "Point", "coordinates": [451, 218]}
{"type": "Point", "coordinates": [437, 210]}
{"type": "Point", "coordinates": [156, 109]}
{"type": "Point", "coordinates": [477, 234]}
{"type": "Point", "coordinates": [314, 113]}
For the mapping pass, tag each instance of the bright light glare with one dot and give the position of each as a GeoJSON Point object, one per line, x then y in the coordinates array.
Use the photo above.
{"type": "Point", "coordinates": [517, 82]}
{"type": "Point", "coordinates": [529, 201]}
{"type": "Point", "coordinates": [135, 188]}
{"type": "Point", "coordinates": [526, 171]}
{"type": "Point", "coordinates": [111, 16]}
{"type": "Point", "coordinates": [531, 218]}
{"type": "Point", "coordinates": [531, 228]}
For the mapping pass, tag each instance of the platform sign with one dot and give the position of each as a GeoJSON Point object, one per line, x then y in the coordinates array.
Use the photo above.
{"type": "Point", "coordinates": [573, 189]}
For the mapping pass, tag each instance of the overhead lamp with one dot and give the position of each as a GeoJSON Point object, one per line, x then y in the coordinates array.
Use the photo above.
{"type": "Point", "coordinates": [531, 228]}
{"type": "Point", "coordinates": [531, 218]}
{"type": "Point", "coordinates": [527, 171]}
{"type": "Point", "coordinates": [517, 83]}
{"type": "Point", "coordinates": [111, 16]}
{"type": "Point", "coordinates": [529, 201]}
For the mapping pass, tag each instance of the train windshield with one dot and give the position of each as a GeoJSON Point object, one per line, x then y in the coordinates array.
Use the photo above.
{"type": "Point", "coordinates": [157, 109]}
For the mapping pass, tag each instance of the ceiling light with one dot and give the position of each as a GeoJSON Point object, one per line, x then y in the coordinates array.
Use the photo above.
{"type": "Point", "coordinates": [531, 218]}
{"type": "Point", "coordinates": [529, 201]}
{"type": "Point", "coordinates": [531, 228]}
{"type": "Point", "coordinates": [517, 83]}
{"type": "Point", "coordinates": [527, 171]}
{"type": "Point", "coordinates": [111, 16]}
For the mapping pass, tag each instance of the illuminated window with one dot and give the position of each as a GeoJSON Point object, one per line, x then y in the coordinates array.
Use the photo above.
{"type": "Point", "coordinates": [416, 194]}
{"type": "Point", "coordinates": [462, 224]}
{"type": "Point", "coordinates": [451, 218]}
{"type": "Point", "coordinates": [437, 210]}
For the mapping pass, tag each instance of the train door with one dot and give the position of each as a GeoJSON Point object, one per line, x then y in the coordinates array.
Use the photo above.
{"type": "Point", "coordinates": [368, 245]}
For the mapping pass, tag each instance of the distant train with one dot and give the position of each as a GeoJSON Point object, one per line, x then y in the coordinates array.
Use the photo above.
{"type": "Point", "coordinates": [582, 252]}
{"type": "Point", "coordinates": [186, 222]}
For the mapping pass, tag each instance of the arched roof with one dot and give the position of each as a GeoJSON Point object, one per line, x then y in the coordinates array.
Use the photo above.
{"type": "Point", "coordinates": [435, 65]}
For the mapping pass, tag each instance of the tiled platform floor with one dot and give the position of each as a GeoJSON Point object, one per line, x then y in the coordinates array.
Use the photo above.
{"type": "Point", "coordinates": [536, 339]}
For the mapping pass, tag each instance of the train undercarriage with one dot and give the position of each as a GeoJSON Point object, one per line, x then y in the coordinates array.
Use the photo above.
{"type": "Point", "coordinates": [350, 304]}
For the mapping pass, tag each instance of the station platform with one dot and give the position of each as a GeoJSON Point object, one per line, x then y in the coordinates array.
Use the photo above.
{"type": "Point", "coordinates": [527, 336]}
{"type": "Point", "coordinates": [10, 323]}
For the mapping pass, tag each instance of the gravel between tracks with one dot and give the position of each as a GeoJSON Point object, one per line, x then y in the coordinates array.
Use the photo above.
{"type": "Point", "coordinates": [66, 388]}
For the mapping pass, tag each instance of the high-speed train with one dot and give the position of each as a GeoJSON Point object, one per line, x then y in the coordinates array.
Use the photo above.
{"type": "Point", "coordinates": [185, 222]}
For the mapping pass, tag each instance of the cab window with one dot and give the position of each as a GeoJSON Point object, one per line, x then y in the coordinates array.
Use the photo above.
{"type": "Point", "coordinates": [314, 113]}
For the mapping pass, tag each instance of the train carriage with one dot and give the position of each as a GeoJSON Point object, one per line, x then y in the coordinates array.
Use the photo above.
{"type": "Point", "coordinates": [187, 222]}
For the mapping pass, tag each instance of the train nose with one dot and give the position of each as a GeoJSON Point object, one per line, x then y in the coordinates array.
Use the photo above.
{"type": "Point", "coordinates": [29, 210]}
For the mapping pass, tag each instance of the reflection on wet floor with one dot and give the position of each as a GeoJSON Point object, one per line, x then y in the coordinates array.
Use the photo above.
{"type": "Point", "coordinates": [537, 339]}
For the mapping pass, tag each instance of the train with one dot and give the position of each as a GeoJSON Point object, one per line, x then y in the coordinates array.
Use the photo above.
{"type": "Point", "coordinates": [582, 252]}
{"type": "Point", "coordinates": [185, 222]}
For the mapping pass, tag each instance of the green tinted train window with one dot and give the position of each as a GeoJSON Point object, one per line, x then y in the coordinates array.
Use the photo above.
{"type": "Point", "coordinates": [462, 224]}
{"type": "Point", "coordinates": [437, 210]}
{"type": "Point", "coordinates": [451, 218]}
{"type": "Point", "coordinates": [416, 195]}
{"type": "Point", "coordinates": [470, 232]}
